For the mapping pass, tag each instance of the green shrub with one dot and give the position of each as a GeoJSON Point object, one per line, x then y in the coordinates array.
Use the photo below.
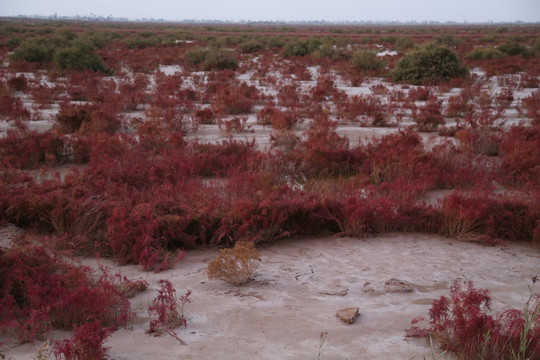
{"type": "Point", "coordinates": [429, 64]}
{"type": "Point", "coordinates": [251, 46]}
{"type": "Point", "coordinates": [142, 42]}
{"type": "Point", "coordinates": [404, 43]}
{"type": "Point", "coordinates": [78, 57]}
{"type": "Point", "coordinates": [366, 61]}
{"type": "Point", "coordinates": [211, 59]}
{"type": "Point", "coordinates": [536, 46]}
{"type": "Point", "coordinates": [513, 48]}
{"type": "Point", "coordinates": [448, 40]}
{"type": "Point", "coordinates": [34, 51]}
{"type": "Point", "coordinates": [217, 59]}
{"type": "Point", "coordinates": [331, 50]}
{"type": "Point", "coordinates": [301, 47]}
{"type": "Point", "coordinates": [275, 42]}
{"type": "Point", "coordinates": [195, 56]}
{"type": "Point", "coordinates": [485, 53]}
{"type": "Point", "coordinates": [66, 33]}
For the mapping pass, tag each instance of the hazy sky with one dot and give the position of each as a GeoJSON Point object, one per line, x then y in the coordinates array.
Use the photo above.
{"type": "Point", "coordinates": [333, 10]}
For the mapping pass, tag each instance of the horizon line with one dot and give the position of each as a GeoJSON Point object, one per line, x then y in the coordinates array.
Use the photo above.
{"type": "Point", "coordinates": [110, 18]}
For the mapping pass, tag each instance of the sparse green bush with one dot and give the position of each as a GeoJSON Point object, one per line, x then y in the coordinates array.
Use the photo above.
{"type": "Point", "coordinates": [488, 38]}
{"type": "Point", "coordinates": [404, 43]}
{"type": "Point", "coordinates": [78, 57]}
{"type": "Point", "coordinates": [366, 61]}
{"type": "Point", "coordinates": [332, 51]}
{"type": "Point", "coordinates": [66, 33]}
{"type": "Point", "coordinates": [251, 46]}
{"type": "Point", "coordinates": [211, 59]}
{"type": "Point", "coordinates": [275, 42]}
{"type": "Point", "coordinates": [301, 47]}
{"type": "Point", "coordinates": [536, 46]}
{"type": "Point", "coordinates": [429, 64]}
{"type": "Point", "coordinates": [485, 53]}
{"type": "Point", "coordinates": [35, 51]}
{"type": "Point", "coordinates": [448, 40]}
{"type": "Point", "coordinates": [512, 48]}
{"type": "Point", "coordinates": [220, 60]}
{"type": "Point", "coordinates": [195, 56]}
{"type": "Point", "coordinates": [141, 42]}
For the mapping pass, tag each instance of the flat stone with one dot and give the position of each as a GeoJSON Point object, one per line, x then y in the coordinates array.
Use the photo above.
{"type": "Point", "coordinates": [398, 286]}
{"type": "Point", "coordinates": [348, 315]}
{"type": "Point", "coordinates": [341, 292]}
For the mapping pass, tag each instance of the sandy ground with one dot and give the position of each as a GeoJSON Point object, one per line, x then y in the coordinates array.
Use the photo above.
{"type": "Point", "coordinates": [298, 288]}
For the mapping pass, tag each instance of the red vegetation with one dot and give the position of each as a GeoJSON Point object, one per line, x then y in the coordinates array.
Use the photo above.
{"type": "Point", "coordinates": [429, 116]}
{"type": "Point", "coordinates": [463, 326]}
{"type": "Point", "coordinates": [520, 147]}
{"type": "Point", "coordinates": [24, 149]}
{"type": "Point", "coordinates": [167, 311]}
{"type": "Point", "coordinates": [40, 290]}
{"type": "Point", "coordinates": [86, 343]}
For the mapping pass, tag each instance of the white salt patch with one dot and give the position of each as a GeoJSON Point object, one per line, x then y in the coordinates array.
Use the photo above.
{"type": "Point", "coordinates": [387, 52]}
{"type": "Point", "coordinates": [170, 69]}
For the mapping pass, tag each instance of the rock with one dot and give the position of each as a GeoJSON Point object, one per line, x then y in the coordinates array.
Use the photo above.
{"type": "Point", "coordinates": [8, 234]}
{"type": "Point", "coordinates": [348, 315]}
{"type": "Point", "coordinates": [368, 288]}
{"type": "Point", "coordinates": [342, 292]}
{"type": "Point", "coordinates": [397, 286]}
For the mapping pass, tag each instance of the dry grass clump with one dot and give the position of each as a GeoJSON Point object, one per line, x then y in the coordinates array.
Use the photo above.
{"type": "Point", "coordinates": [236, 265]}
{"type": "Point", "coordinates": [130, 288]}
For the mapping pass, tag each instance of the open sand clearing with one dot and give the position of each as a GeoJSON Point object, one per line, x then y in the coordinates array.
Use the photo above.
{"type": "Point", "coordinates": [300, 285]}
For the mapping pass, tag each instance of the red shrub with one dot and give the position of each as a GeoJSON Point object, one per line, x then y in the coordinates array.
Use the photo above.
{"type": "Point", "coordinates": [85, 344]}
{"type": "Point", "coordinates": [233, 98]}
{"type": "Point", "coordinates": [208, 159]}
{"type": "Point", "coordinates": [325, 89]}
{"type": "Point", "coordinates": [356, 106]}
{"type": "Point", "coordinates": [532, 106]}
{"type": "Point", "coordinates": [462, 325]}
{"type": "Point", "coordinates": [386, 156]}
{"type": "Point", "coordinates": [17, 83]}
{"type": "Point", "coordinates": [419, 93]}
{"type": "Point", "coordinates": [133, 92]}
{"type": "Point", "coordinates": [362, 214]}
{"type": "Point", "coordinates": [288, 95]}
{"type": "Point", "coordinates": [520, 160]}
{"type": "Point", "coordinates": [459, 105]}
{"type": "Point", "coordinates": [71, 118]}
{"type": "Point", "coordinates": [482, 141]}
{"type": "Point", "coordinates": [89, 86]}
{"type": "Point", "coordinates": [234, 125]}
{"type": "Point", "coordinates": [429, 117]}
{"type": "Point", "coordinates": [269, 214]}
{"type": "Point", "coordinates": [475, 216]}
{"type": "Point", "coordinates": [166, 311]}
{"type": "Point", "coordinates": [102, 120]}
{"type": "Point", "coordinates": [323, 152]}
{"type": "Point", "coordinates": [205, 116]}
{"type": "Point", "coordinates": [38, 289]}
{"type": "Point", "coordinates": [24, 150]}
{"type": "Point", "coordinates": [12, 108]}
{"type": "Point", "coordinates": [44, 95]}
{"type": "Point", "coordinates": [280, 120]}
{"type": "Point", "coordinates": [298, 70]}
{"type": "Point", "coordinates": [133, 236]}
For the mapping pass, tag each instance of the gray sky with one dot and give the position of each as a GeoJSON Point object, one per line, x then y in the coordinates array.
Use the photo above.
{"type": "Point", "coordinates": [333, 10]}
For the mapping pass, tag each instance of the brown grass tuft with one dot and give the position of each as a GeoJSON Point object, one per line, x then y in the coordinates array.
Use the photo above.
{"type": "Point", "coordinates": [236, 265]}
